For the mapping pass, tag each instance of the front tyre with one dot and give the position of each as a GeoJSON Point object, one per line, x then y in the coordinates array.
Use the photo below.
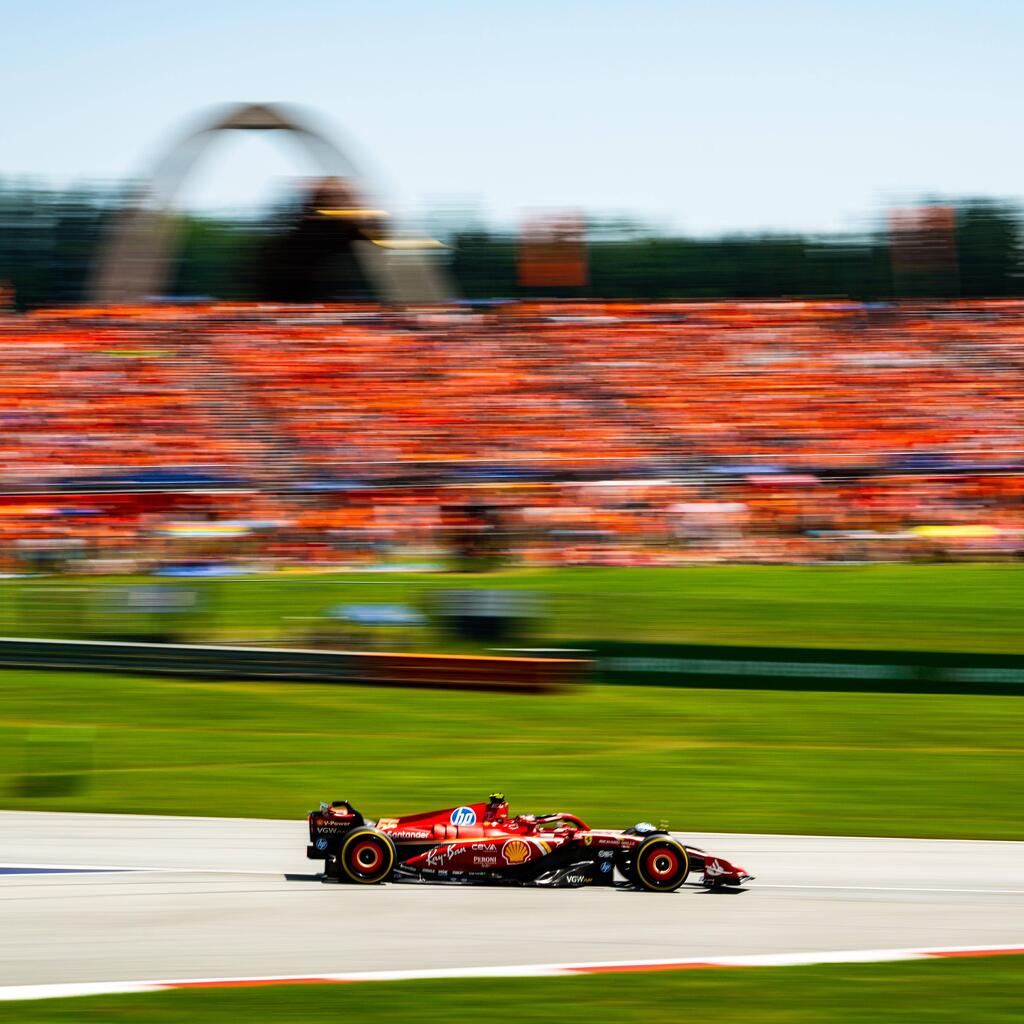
{"type": "Point", "coordinates": [660, 865]}
{"type": "Point", "coordinates": [366, 857]}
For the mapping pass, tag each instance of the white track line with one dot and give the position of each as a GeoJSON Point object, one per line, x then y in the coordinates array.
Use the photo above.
{"type": "Point", "coordinates": [870, 839]}
{"type": "Point", "coordinates": [54, 991]}
{"type": "Point", "coordinates": [155, 869]}
{"type": "Point", "coordinates": [71, 867]}
{"type": "Point", "coordinates": [885, 888]}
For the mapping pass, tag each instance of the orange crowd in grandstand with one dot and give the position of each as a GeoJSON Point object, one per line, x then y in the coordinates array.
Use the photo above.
{"type": "Point", "coordinates": [596, 432]}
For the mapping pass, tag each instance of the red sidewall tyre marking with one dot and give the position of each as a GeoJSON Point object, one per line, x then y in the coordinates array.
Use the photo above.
{"type": "Point", "coordinates": [367, 856]}
{"type": "Point", "coordinates": [661, 863]}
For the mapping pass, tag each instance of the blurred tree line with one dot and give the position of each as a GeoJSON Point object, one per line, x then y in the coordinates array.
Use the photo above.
{"type": "Point", "coordinates": [49, 241]}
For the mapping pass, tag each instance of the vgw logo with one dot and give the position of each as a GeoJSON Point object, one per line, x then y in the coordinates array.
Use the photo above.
{"type": "Point", "coordinates": [463, 816]}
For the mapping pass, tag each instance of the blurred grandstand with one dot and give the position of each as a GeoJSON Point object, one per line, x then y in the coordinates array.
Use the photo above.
{"type": "Point", "coordinates": [619, 434]}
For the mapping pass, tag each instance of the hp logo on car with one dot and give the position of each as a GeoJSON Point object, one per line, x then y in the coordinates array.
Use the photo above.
{"type": "Point", "coordinates": [463, 816]}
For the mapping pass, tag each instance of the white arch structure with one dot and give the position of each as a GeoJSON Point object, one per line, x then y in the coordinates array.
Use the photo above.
{"type": "Point", "coordinates": [134, 261]}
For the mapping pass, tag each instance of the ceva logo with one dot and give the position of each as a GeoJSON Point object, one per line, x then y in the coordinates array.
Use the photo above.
{"type": "Point", "coordinates": [515, 851]}
{"type": "Point", "coordinates": [463, 816]}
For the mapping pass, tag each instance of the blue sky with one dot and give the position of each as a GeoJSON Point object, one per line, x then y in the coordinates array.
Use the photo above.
{"type": "Point", "coordinates": [697, 116]}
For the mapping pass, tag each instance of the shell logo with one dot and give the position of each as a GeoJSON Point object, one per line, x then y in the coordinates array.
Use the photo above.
{"type": "Point", "coordinates": [515, 851]}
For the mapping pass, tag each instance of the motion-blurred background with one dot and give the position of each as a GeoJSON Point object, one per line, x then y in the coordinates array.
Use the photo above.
{"type": "Point", "coordinates": [657, 368]}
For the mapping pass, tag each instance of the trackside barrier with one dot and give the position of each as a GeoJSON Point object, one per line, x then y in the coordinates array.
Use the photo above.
{"type": "Point", "coordinates": [805, 668]}
{"type": "Point", "coordinates": [685, 665]}
{"type": "Point", "coordinates": [415, 670]}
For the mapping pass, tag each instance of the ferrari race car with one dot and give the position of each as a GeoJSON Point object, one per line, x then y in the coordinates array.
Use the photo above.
{"type": "Point", "coordinates": [481, 843]}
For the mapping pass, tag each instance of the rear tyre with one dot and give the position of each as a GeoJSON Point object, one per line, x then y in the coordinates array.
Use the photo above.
{"type": "Point", "coordinates": [366, 857]}
{"type": "Point", "coordinates": [660, 865]}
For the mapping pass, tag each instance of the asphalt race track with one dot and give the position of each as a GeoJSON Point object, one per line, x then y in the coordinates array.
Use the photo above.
{"type": "Point", "coordinates": [216, 897]}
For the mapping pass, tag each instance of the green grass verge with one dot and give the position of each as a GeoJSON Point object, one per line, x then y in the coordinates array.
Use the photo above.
{"type": "Point", "coordinates": [705, 760]}
{"type": "Point", "coordinates": [905, 607]}
{"type": "Point", "coordinates": [980, 991]}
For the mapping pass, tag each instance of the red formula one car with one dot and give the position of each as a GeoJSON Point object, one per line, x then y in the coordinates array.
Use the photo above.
{"type": "Point", "coordinates": [481, 843]}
